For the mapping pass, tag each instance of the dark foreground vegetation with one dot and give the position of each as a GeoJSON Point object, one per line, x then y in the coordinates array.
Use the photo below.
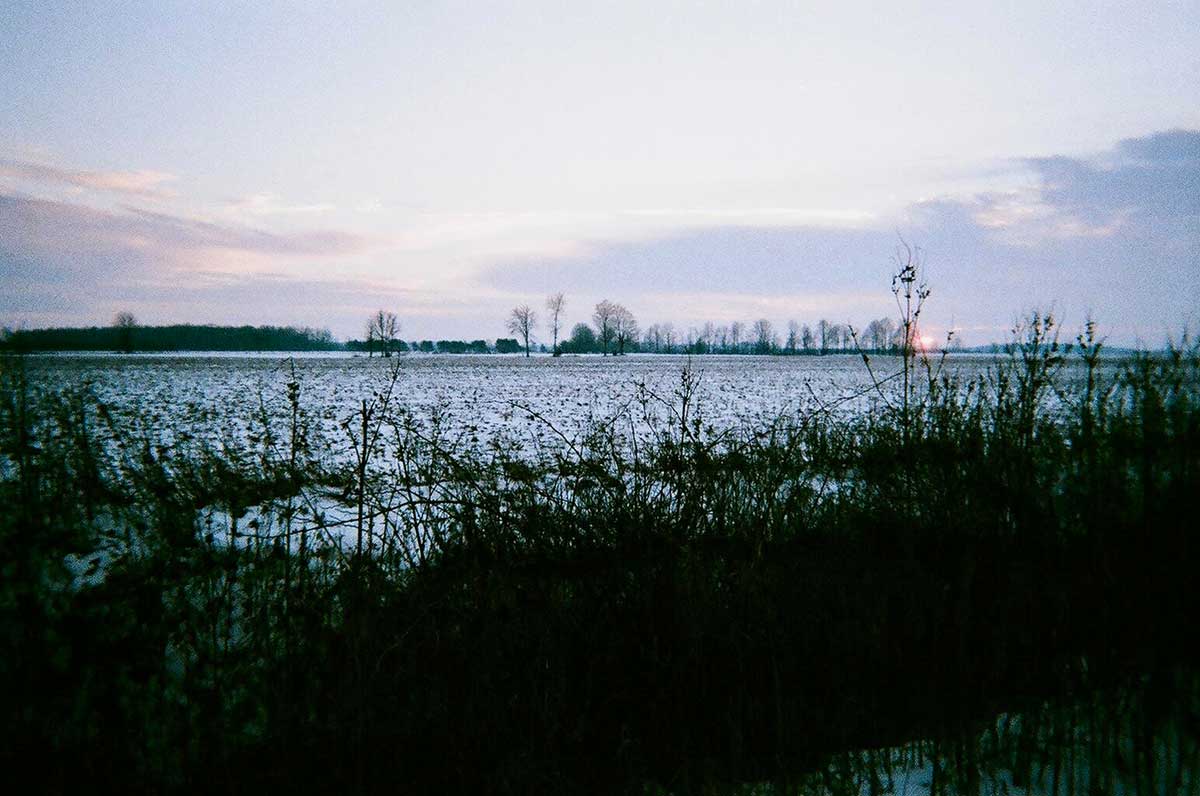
{"type": "Point", "coordinates": [964, 582]}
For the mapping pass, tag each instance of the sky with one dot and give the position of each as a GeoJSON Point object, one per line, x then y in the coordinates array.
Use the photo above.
{"type": "Point", "coordinates": [308, 163]}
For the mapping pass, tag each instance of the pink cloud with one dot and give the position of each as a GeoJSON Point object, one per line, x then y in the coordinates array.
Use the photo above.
{"type": "Point", "coordinates": [61, 261]}
{"type": "Point", "coordinates": [144, 183]}
{"type": "Point", "coordinates": [41, 227]}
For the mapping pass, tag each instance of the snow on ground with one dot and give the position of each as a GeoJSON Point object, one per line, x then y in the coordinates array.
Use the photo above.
{"type": "Point", "coordinates": [223, 398]}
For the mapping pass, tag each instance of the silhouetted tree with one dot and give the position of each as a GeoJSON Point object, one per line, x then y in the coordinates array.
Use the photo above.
{"type": "Point", "coordinates": [736, 330]}
{"type": "Point", "coordinates": [652, 339]}
{"type": "Point", "coordinates": [668, 337]}
{"type": "Point", "coordinates": [583, 339]}
{"type": "Point", "coordinates": [382, 329]}
{"type": "Point", "coordinates": [521, 321]}
{"type": "Point", "coordinates": [879, 333]}
{"type": "Point", "coordinates": [764, 336]}
{"type": "Point", "coordinates": [604, 317]}
{"type": "Point", "coordinates": [555, 305]}
{"type": "Point", "coordinates": [625, 328]}
{"type": "Point", "coordinates": [125, 323]}
{"type": "Point", "coordinates": [793, 338]}
{"type": "Point", "coordinates": [823, 334]}
{"type": "Point", "coordinates": [838, 331]}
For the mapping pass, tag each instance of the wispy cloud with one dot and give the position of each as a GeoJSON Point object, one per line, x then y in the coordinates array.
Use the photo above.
{"type": "Point", "coordinates": [271, 204]}
{"type": "Point", "coordinates": [143, 184]}
{"type": "Point", "coordinates": [66, 264]}
{"type": "Point", "coordinates": [60, 258]}
{"type": "Point", "coordinates": [38, 227]}
{"type": "Point", "coordinates": [184, 232]}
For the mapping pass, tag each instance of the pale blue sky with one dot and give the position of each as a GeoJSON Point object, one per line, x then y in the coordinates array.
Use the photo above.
{"type": "Point", "coordinates": [305, 163]}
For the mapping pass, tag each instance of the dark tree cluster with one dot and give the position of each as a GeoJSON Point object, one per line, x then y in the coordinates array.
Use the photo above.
{"type": "Point", "coordinates": [383, 330]}
{"type": "Point", "coordinates": [761, 337]}
{"type": "Point", "coordinates": [129, 337]}
{"type": "Point", "coordinates": [615, 330]}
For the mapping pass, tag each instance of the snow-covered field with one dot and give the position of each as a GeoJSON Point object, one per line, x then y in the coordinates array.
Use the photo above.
{"type": "Point", "coordinates": [226, 401]}
{"type": "Point", "coordinates": [223, 398]}
{"type": "Point", "coordinates": [225, 395]}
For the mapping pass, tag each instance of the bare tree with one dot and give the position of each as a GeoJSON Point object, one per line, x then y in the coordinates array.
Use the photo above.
{"type": "Point", "coordinates": [842, 340]}
{"type": "Point", "coordinates": [125, 323]}
{"type": "Point", "coordinates": [521, 321]}
{"type": "Point", "coordinates": [793, 337]}
{"type": "Point", "coordinates": [806, 338]}
{"type": "Point", "coordinates": [625, 328]}
{"type": "Point", "coordinates": [668, 337]}
{"type": "Point", "coordinates": [652, 338]}
{"type": "Point", "coordinates": [604, 317]}
{"type": "Point", "coordinates": [555, 305]}
{"type": "Point", "coordinates": [764, 336]}
{"type": "Point", "coordinates": [659, 338]}
{"type": "Point", "coordinates": [382, 330]}
{"type": "Point", "coordinates": [879, 333]}
{"type": "Point", "coordinates": [836, 332]}
{"type": "Point", "coordinates": [735, 335]}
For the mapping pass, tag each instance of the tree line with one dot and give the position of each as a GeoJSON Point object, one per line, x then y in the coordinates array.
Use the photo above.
{"type": "Point", "coordinates": [614, 330]}
{"type": "Point", "coordinates": [502, 345]}
{"type": "Point", "coordinates": [125, 335]}
{"type": "Point", "coordinates": [383, 338]}
{"type": "Point", "coordinates": [761, 337]}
